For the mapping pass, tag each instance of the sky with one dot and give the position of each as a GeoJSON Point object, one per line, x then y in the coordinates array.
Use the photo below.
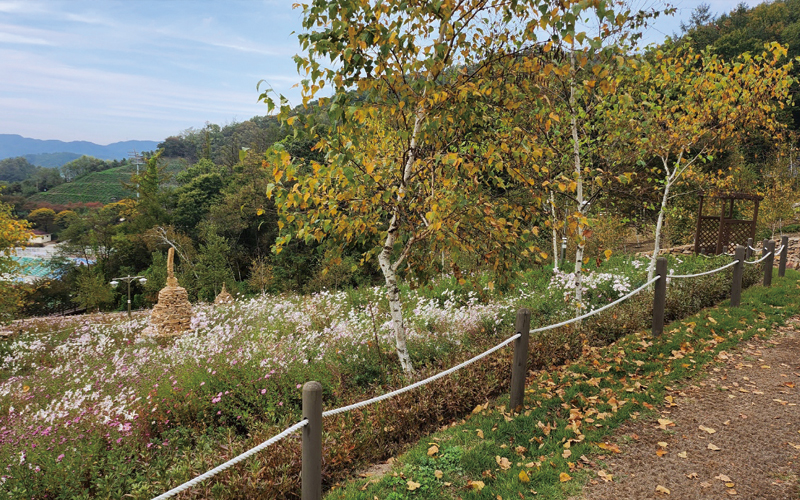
{"type": "Point", "coordinates": [106, 71]}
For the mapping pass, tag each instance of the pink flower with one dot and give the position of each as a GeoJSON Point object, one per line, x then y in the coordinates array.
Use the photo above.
{"type": "Point", "coordinates": [60, 458]}
{"type": "Point", "coordinates": [263, 391]}
{"type": "Point", "coordinates": [299, 386]}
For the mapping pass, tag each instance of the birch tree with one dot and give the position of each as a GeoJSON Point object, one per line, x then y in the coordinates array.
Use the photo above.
{"type": "Point", "coordinates": [424, 152]}
{"type": "Point", "coordinates": [679, 106]}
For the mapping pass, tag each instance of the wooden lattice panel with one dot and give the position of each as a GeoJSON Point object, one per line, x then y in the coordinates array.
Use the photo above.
{"type": "Point", "coordinates": [707, 235]}
{"type": "Point", "coordinates": [735, 232]}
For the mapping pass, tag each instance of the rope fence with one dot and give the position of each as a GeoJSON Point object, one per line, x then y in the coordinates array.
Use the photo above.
{"type": "Point", "coordinates": [726, 266]}
{"type": "Point", "coordinates": [216, 470]}
{"type": "Point", "coordinates": [311, 424]}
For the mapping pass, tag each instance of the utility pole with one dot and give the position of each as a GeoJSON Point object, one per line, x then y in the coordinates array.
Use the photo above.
{"type": "Point", "coordinates": [136, 159]}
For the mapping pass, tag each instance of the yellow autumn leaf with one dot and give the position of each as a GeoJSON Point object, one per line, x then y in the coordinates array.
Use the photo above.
{"type": "Point", "coordinates": [707, 429]}
{"type": "Point", "coordinates": [608, 253]}
{"type": "Point", "coordinates": [523, 476]}
{"type": "Point", "coordinates": [476, 485]}
{"type": "Point", "coordinates": [438, 474]}
{"type": "Point", "coordinates": [479, 432]}
{"type": "Point", "coordinates": [412, 485]}
{"type": "Point", "coordinates": [433, 450]}
{"type": "Point", "coordinates": [564, 477]}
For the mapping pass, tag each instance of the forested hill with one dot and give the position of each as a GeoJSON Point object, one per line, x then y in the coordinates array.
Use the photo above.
{"type": "Point", "coordinates": [12, 145]}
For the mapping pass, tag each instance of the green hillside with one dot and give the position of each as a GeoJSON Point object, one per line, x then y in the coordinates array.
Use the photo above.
{"type": "Point", "coordinates": [103, 187]}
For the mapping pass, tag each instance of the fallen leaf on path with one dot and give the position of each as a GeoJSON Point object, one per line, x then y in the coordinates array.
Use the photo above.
{"type": "Point", "coordinates": [682, 454]}
{"type": "Point", "coordinates": [606, 477]}
{"type": "Point", "coordinates": [712, 447]}
{"type": "Point", "coordinates": [662, 444]}
{"type": "Point", "coordinates": [661, 489]}
{"type": "Point", "coordinates": [723, 478]}
{"type": "Point", "coordinates": [693, 475]}
{"type": "Point", "coordinates": [663, 423]}
{"type": "Point", "coordinates": [707, 429]}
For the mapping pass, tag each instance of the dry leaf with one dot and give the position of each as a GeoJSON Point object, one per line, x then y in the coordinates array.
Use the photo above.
{"type": "Point", "coordinates": [693, 475]}
{"type": "Point", "coordinates": [438, 474]}
{"type": "Point", "coordinates": [661, 452]}
{"type": "Point", "coordinates": [564, 477]}
{"type": "Point", "coordinates": [661, 489]}
{"type": "Point", "coordinates": [682, 454]}
{"type": "Point", "coordinates": [567, 454]}
{"type": "Point", "coordinates": [412, 485]}
{"type": "Point", "coordinates": [476, 485]}
{"type": "Point", "coordinates": [723, 478]}
{"type": "Point", "coordinates": [479, 432]}
{"type": "Point", "coordinates": [662, 444]}
{"type": "Point", "coordinates": [502, 462]}
{"type": "Point", "coordinates": [610, 447]}
{"type": "Point", "coordinates": [605, 476]}
{"type": "Point", "coordinates": [433, 450]}
{"type": "Point", "coordinates": [712, 447]}
{"type": "Point", "coordinates": [523, 476]}
{"type": "Point", "coordinates": [663, 423]}
{"type": "Point", "coordinates": [707, 429]}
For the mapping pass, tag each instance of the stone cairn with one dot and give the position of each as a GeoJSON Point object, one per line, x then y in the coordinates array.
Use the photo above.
{"type": "Point", "coordinates": [173, 313]}
{"type": "Point", "coordinates": [224, 297]}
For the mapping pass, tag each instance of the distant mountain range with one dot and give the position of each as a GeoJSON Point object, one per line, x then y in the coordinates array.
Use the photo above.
{"type": "Point", "coordinates": [12, 145]}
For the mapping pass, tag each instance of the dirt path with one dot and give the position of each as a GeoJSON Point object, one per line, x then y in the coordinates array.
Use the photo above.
{"type": "Point", "coordinates": [735, 433]}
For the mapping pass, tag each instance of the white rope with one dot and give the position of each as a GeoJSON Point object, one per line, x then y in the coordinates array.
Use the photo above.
{"type": "Point", "coordinates": [707, 272]}
{"type": "Point", "coordinates": [596, 311]}
{"type": "Point", "coordinates": [779, 250]}
{"type": "Point", "coordinates": [233, 461]}
{"type": "Point", "coordinates": [759, 260]}
{"type": "Point", "coordinates": [421, 382]}
{"type": "Point", "coordinates": [754, 249]}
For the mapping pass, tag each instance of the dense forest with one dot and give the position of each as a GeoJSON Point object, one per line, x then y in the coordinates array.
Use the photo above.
{"type": "Point", "coordinates": [227, 204]}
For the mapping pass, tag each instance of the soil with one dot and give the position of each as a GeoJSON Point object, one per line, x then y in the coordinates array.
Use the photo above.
{"type": "Point", "coordinates": [751, 402]}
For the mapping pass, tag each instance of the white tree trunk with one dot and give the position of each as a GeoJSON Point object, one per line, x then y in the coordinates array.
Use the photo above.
{"type": "Point", "coordinates": [576, 151]}
{"type": "Point", "coordinates": [555, 233]}
{"type": "Point", "coordinates": [651, 269]}
{"type": "Point", "coordinates": [395, 307]}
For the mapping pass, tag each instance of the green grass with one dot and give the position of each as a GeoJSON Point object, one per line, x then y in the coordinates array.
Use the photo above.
{"type": "Point", "coordinates": [573, 409]}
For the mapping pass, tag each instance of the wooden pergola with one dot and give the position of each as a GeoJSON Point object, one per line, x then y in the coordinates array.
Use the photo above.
{"type": "Point", "coordinates": [718, 234]}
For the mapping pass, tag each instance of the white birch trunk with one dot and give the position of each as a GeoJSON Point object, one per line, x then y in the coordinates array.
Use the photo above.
{"type": "Point", "coordinates": [576, 151]}
{"type": "Point", "coordinates": [395, 306]}
{"type": "Point", "coordinates": [651, 269]}
{"type": "Point", "coordinates": [555, 233]}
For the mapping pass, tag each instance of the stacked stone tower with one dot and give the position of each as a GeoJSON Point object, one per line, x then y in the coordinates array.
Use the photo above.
{"type": "Point", "coordinates": [173, 313]}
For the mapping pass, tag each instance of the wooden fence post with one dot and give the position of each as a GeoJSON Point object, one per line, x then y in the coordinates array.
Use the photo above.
{"type": "Point", "coordinates": [784, 256]}
{"type": "Point", "coordinates": [311, 475]}
{"type": "Point", "coordinates": [738, 269]}
{"type": "Point", "coordinates": [660, 297]}
{"type": "Point", "coordinates": [519, 368]}
{"type": "Point", "coordinates": [769, 249]}
{"type": "Point", "coordinates": [748, 252]}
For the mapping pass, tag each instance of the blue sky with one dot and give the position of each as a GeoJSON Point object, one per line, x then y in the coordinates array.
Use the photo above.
{"type": "Point", "coordinates": [107, 71]}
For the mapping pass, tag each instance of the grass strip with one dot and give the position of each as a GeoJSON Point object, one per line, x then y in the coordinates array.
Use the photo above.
{"type": "Point", "coordinates": [571, 410]}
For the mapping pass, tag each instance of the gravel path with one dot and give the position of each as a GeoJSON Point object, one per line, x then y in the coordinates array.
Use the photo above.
{"type": "Point", "coordinates": [732, 434]}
